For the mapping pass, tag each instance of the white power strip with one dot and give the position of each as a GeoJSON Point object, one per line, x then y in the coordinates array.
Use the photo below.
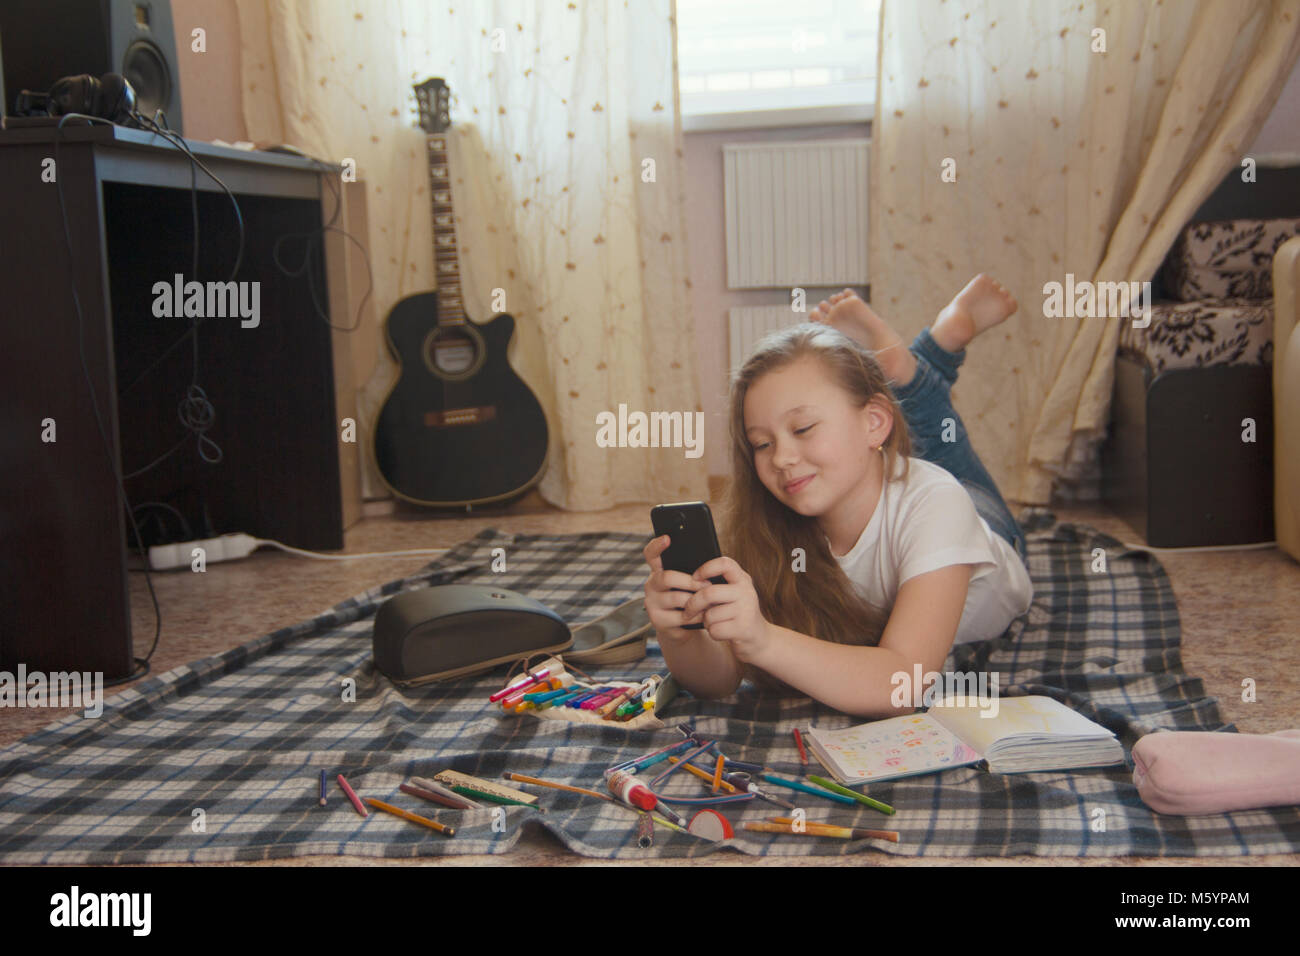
{"type": "Point", "coordinates": [228, 547]}
{"type": "Point", "coordinates": [232, 547]}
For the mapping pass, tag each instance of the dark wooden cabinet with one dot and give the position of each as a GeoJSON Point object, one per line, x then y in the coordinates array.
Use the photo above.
{"type": "Point", "coordinates": [282, 474]}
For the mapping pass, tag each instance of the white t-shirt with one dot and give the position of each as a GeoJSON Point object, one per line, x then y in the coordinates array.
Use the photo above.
{"type": "Point", "coordinates": [929, 522]}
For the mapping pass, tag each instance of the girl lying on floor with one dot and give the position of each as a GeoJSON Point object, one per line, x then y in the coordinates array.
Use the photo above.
{"type": "Point", "coordinates": [894, 572]}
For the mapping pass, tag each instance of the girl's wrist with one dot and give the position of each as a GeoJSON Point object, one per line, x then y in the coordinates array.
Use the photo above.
{"type": "Point", "coordinates": [767, 652]}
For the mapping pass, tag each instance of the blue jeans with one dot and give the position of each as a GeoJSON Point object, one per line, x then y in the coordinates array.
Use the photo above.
{"type": "Point", "coordinates": [926, 404]}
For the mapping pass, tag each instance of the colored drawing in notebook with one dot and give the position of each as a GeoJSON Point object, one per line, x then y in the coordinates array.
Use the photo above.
{"type": "Point", "coordinates": [873, 750]}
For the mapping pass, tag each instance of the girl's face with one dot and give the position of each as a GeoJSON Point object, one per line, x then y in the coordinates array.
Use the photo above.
{"type": "Point", "coordinates": [811, 448]}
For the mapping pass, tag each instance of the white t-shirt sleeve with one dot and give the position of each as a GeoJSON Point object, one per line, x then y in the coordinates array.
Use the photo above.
{"type": "Point", "coordinates": [943, 528]}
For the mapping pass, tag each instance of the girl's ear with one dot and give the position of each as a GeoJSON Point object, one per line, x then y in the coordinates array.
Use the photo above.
{"type": "Point", "coordinates": [879, 420]}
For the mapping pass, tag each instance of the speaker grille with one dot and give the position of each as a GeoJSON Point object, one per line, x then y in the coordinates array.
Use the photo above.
{"type": "Point", "coordinates": [146, 69]}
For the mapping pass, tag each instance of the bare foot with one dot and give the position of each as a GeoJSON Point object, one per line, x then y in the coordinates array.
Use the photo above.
{"type": "Point", "coordinates": [847, 313]}
{"type": "Point", "coordinates": [978, 307]}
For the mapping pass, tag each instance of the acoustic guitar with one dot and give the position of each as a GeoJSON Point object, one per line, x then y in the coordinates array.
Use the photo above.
{"type": "Point", "coordinates": [459, 427]}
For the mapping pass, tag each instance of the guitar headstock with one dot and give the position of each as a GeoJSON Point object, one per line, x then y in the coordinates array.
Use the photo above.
{"type": "Point", "coordinates": [433, 97]}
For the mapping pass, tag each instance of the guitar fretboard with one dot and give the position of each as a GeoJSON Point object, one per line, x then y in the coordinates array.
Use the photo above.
{"type": "Point", "coordinates": [446, 257]}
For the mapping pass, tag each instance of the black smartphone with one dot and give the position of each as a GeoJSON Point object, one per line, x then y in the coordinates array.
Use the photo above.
{"type": "Point", "coordinates": [693, 540]}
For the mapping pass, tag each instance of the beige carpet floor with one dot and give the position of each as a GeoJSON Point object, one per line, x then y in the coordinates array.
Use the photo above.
{"type": "Point", "coordinates": [1239, 615]}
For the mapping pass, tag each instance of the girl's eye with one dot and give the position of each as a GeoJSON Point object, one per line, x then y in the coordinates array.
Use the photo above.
{"type": "Point", "coordinates": [797, 431]}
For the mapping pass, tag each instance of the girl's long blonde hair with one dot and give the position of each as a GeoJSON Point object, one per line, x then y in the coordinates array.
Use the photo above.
{"type": "Point", "coordinates": [760, 532]}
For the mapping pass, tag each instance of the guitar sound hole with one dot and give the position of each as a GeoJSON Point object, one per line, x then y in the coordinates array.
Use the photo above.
{"type": "Point", "coordinates": [451, 351]}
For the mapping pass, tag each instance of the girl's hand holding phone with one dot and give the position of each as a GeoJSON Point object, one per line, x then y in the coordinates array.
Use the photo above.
{"type": "Point", "coordinates": [663, 604]}
{"type": "Point", "coordinates": [730, 611]}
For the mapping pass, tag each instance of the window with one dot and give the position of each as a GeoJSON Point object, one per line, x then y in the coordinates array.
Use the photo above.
{"type": "Point", "coordinates": [741, 58]}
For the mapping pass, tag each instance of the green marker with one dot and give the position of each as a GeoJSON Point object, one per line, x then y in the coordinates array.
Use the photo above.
{"type": "Point", "coordinates": [836, 788]}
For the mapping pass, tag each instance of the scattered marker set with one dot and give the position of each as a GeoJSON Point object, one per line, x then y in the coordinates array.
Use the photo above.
{"type": "Point", "coordinates": [552, 687]}
{"type": "Point", "coordinates": [732, 781]}
{"type": "Point", "coordinates": [728, 781]}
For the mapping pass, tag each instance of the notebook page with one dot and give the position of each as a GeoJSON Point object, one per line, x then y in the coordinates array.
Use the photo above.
{"type": "Point", "coordinates": [1035, 715]}
{"type": "Point", "coordinates": [894, 747]}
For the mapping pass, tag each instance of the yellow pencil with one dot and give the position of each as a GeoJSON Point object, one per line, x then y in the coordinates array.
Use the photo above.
{"type": "Point", "coordinates": [414, 818]}
{"type": "Point", "coordinates": [704, 775]}
{"type": "Point", "coordinates": [521, 778]}
{"type": "Point", "coordinates": [833, 830]}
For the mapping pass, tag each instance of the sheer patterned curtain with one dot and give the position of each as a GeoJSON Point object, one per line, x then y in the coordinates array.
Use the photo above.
{"type": "Point", "coordinates": [1083, 135]}
{"type": "Point", "coordinates": [566, 154]}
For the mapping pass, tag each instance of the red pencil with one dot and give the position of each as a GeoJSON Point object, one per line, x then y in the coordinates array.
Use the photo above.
{"type": "Point", "coordinates": [803, 754]}
{"type": "Point", "coordinates": [353, 797]}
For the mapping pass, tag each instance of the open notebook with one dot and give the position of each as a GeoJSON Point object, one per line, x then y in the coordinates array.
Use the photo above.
{"type": "Point", "coordinates": [1027, 734]}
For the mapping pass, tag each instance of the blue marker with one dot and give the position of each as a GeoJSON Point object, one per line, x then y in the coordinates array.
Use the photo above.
{"type": "Point", "coordinates": [640, 764]}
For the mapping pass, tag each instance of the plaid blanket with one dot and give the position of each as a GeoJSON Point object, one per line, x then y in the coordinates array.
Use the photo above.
{"type": "Point", "coordinates": [219, 760]}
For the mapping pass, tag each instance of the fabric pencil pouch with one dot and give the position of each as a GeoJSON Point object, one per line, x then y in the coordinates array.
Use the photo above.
{"type": "Point", "coordinates": [1198, 772]}
{"type": "Point", "coordinates": [658, 695]}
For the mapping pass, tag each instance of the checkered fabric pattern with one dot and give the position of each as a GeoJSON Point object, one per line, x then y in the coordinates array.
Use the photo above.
{"type": "Point", "coordinates": [242, 736]}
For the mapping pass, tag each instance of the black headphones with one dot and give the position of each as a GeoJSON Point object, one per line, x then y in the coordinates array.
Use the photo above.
{"type": "Point", "coordinates": [109, 97]}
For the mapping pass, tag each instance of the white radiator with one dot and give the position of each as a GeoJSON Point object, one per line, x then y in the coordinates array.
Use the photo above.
{"type": "Point", "coordinates": [748, 324]}
{"type": "Point", "coordinates": [796, 213]}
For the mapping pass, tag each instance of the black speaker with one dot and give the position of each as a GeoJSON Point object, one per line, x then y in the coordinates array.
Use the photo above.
{"type": "Point", "coordinates": [44, 40]}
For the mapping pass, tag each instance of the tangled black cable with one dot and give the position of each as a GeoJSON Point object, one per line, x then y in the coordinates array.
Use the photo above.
{"type": "Point", "coordinates": [194, 410]}
{"type": "Point", "coordinates": [314, 243]}
{"type": "Point", "coordinates": [197, 414]}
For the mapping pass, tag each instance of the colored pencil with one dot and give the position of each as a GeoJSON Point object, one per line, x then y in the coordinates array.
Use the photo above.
{"type": "Point", "coordinates": [414, 818]}
{"type": "Point", "coordinates": [717, 774]}
{"type": "Point", "coordinates": [520, 778]}
{"type": "Point", "coordinates": [803, 754]}
{"type": "Point", "coordinates": [815, 791]}
{"type": "Point", "coordinates": [861, 798]}
{"type": "Point", "coordinates": [822, 830]}
{"type": "Point", "coordinates": [434, 787]}
{"type": "Point", "coordinates": [639, 763]}
{"type": "Point", "coordinates": [322, 788]}
{"type": "Point", "coordinates": [352, 796]}
{"type": "Point", "coordinates": [670, 813]}
{"type": "Point", "coordinates": [431, 796]}
{"type": "Point", "coordinates": [832, 829]}
{"type": "Point", "coordinates": [704, 775]}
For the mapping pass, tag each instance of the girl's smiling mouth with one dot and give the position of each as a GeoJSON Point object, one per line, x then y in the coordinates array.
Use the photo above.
{"type": "Point", "coordinates": [798, 484]}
